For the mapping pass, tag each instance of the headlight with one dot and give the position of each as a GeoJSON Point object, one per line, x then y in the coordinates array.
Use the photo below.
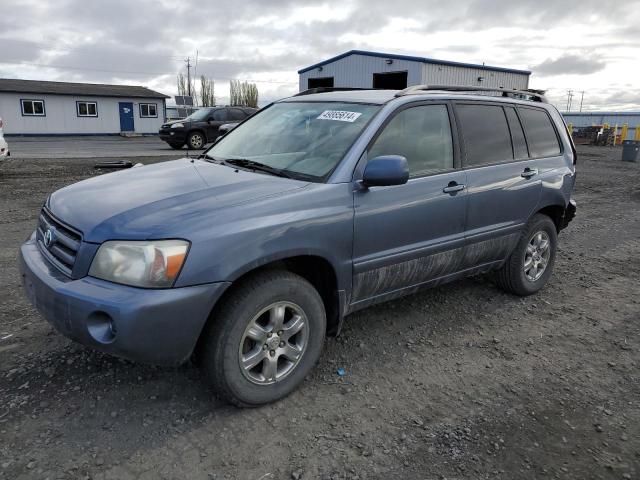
{"type": "Point", "coordinates": [177, 125]}
{"type": "Point", "coordinates": [153, 264]}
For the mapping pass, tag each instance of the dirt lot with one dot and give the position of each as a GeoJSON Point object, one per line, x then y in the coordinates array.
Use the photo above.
{"type": "Point", "coordinates": [462, 381]}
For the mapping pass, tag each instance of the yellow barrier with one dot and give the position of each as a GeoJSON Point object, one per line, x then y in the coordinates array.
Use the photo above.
{"type": "Point", "coordinates": [637, 135]}
{"type": "Point", "coordinates": [624, 133]}
{"type": "Point", "coordinates": [570, 128]}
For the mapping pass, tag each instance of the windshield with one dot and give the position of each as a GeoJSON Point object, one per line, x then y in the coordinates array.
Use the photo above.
{"type": "Point", "coordinates": [307, 138]}
{"type": "Point", "coordinates": [199, 115]}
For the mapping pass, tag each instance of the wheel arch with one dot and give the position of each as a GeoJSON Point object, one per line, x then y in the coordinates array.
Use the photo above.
{"type": "Point", "coordinates": [316, 269]}
{"type": "Point", "coordinates": [554, 211]}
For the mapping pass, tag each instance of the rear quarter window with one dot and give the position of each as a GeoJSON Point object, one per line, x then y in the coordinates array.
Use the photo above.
{"type": "Point", "coordinates": [541, 136]}
{"type": "Point", "coordinates": [485, 133]}
{"type": "Point", "coordinates": [517, 135]}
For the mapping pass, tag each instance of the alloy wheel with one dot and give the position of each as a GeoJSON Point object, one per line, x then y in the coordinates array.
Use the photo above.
{"type": "Point", "coordinates": [273, 343]}
{"type": "Point", "coordinates": [537, 255]}
{"type": "Point", "coordinates": [196, 141]}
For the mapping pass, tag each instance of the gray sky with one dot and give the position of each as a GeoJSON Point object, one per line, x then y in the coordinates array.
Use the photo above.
{"type": "Point", "coordinates": [589, 45]}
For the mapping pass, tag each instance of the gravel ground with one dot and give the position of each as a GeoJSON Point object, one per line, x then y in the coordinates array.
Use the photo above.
{"type": "Point", "coordinates": [462, 381]}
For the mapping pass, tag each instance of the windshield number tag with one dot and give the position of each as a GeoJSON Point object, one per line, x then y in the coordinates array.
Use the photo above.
{"type": "Point", "coordinates": [339, 115]}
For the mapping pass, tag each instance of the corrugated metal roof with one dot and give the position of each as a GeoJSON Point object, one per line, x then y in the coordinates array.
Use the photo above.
{"type": "Point", "coordinates": [414, 59]}
{"type": "Point", "coordinates": [77, 89]}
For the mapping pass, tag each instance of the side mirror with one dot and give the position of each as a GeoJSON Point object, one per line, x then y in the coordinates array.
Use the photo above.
{"type": "Point", "coordinates": [210, 119]}
{"type": "Point", "coordinates": [385, 171]}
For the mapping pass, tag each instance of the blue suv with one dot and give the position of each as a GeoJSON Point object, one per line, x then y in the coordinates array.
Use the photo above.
{"type": "Point", "coordinates": [315, 207]}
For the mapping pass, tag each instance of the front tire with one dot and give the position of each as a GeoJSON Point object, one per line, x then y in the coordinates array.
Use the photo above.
{"type": "Point", "coordinates": [196, 140]}
{"type": "Point", "coordinates": [530, 265]}
{"type": "Point", "coordinates": [264, 339]}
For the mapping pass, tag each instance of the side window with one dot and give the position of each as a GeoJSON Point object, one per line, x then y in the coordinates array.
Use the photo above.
{"type": "Point", "coordinates": [486, 134]}
{"type": "Point", "coordinates": [517, 135]}
{"type": "Point", "coordinates": [148, 110]}
{"type": "Point", "coordinates": [87, 109]}
{"type": "Point", "coordinates": [541, 135]}
{"type": "Point", "coordinates": [420, 134]}
{"type": "Point", "coordinates": [220, 115]}
{"type": "Point", "coordinates": [33, 108]}
{"type": "Point", "coordinates": [236, 114]}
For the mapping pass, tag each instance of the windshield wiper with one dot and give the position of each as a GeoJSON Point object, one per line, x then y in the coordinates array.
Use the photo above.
{"type": "Point", "coordinates": [257, 166]}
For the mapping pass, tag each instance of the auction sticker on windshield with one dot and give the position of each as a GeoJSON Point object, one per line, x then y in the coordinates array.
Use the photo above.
{"type": "Point", "coordinates": [339, 115]}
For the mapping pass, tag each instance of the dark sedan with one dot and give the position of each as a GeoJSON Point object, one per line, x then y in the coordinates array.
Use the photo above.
{"type": "Point", "coordinates": [202, 126]}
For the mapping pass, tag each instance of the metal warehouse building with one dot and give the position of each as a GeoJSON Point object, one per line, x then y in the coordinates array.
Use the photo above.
{"type": "Point", "coordinates": [30, 107]}
{"type": "Point", "coordinates": [588, 119]}
{"type": "Point", "coordinates": [362, 69]}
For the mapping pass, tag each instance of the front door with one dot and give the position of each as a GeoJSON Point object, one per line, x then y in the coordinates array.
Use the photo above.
{"type": "Point", "coordinates": [126, 117]}
{"type": "Point", "coordinates": [408, 235]}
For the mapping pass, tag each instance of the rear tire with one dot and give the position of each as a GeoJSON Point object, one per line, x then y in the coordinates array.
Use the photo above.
{"type": "Point", "coordinates": [196, 141]}
{"type": "Point", "coordinates": [245, 331]}
{"type": "Point", "coordinates": [530, 265]}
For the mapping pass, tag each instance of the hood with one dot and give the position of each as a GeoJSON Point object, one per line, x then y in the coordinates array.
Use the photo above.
{"type": "Point", "coordinates": [171, 122]}
{"type": "Point", "coordinates": [157, 201]}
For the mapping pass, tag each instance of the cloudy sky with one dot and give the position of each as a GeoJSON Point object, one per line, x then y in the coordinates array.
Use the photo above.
{"type": "Point", "coordinates": [589, 46]}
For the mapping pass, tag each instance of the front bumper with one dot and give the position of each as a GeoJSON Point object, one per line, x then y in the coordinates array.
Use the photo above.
{"type": "Point", "coordinates": [175, 135]}
{"type": "Point", "coordinates": [152, 326]}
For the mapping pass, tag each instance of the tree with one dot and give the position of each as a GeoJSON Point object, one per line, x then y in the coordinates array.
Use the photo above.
{"type": "Point", "coordinates": [207, 92]}
{"type": "Point", "coordinates": [243, 94]}
{"type": "Point", "coordinates": [250, 95]}
{"type": "Point", "coordinates": [182, 85]}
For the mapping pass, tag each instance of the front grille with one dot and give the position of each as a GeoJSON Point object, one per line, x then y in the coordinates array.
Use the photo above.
{"type": "Point", "coordinates": [63, 241]}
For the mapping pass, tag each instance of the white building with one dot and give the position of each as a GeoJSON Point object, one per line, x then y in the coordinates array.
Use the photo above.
{"type": "Point", "coordinates": [31, 107]}
{"type": "Point", "coordinates": [362, 69]}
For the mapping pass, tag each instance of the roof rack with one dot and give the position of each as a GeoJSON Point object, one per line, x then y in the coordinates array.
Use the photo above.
{"type": "Point", "coordinates": [328, 89]}
{"type": "Point", "coordinates": [506, 92]}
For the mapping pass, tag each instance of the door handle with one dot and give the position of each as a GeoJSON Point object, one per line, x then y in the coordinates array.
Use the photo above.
{"type": "Point", "coordinates": [453, 187]}
{"type": "Point", "coordinates": [529, 172]}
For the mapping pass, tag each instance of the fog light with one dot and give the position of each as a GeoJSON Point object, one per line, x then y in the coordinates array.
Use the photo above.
{"type": "Point", "coordinates": [101, 327]}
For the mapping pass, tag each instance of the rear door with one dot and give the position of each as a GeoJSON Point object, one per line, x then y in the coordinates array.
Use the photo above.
{"type": "Point", "coordinates": [502, 180]}
{"type": "Point", "coordinates": [218, 117]}
{"type": "Point", "coordinates": [407, 235]}
{"type": "Point", "coordinates": [236, 115]}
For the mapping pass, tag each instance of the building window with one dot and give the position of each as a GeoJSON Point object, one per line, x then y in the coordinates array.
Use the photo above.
{"type": "Point", "coordinates": [148, 110]}
{"type": "Point", "coordinates": [87, 109]}
{"type": "Point", "coordinates": [33, 108]}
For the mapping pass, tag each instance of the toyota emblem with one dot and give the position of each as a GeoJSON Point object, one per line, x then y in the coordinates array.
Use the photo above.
{"type": "Point", "coordinates": [48, 238]}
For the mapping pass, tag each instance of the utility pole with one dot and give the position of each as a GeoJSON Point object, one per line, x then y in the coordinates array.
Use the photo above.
{"type": "Point", "coordinates": [569, 97]}
{"type": "Point", "coordinates": [581, 99]}
{"type": "Point", "coordinates": [188, 62]}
